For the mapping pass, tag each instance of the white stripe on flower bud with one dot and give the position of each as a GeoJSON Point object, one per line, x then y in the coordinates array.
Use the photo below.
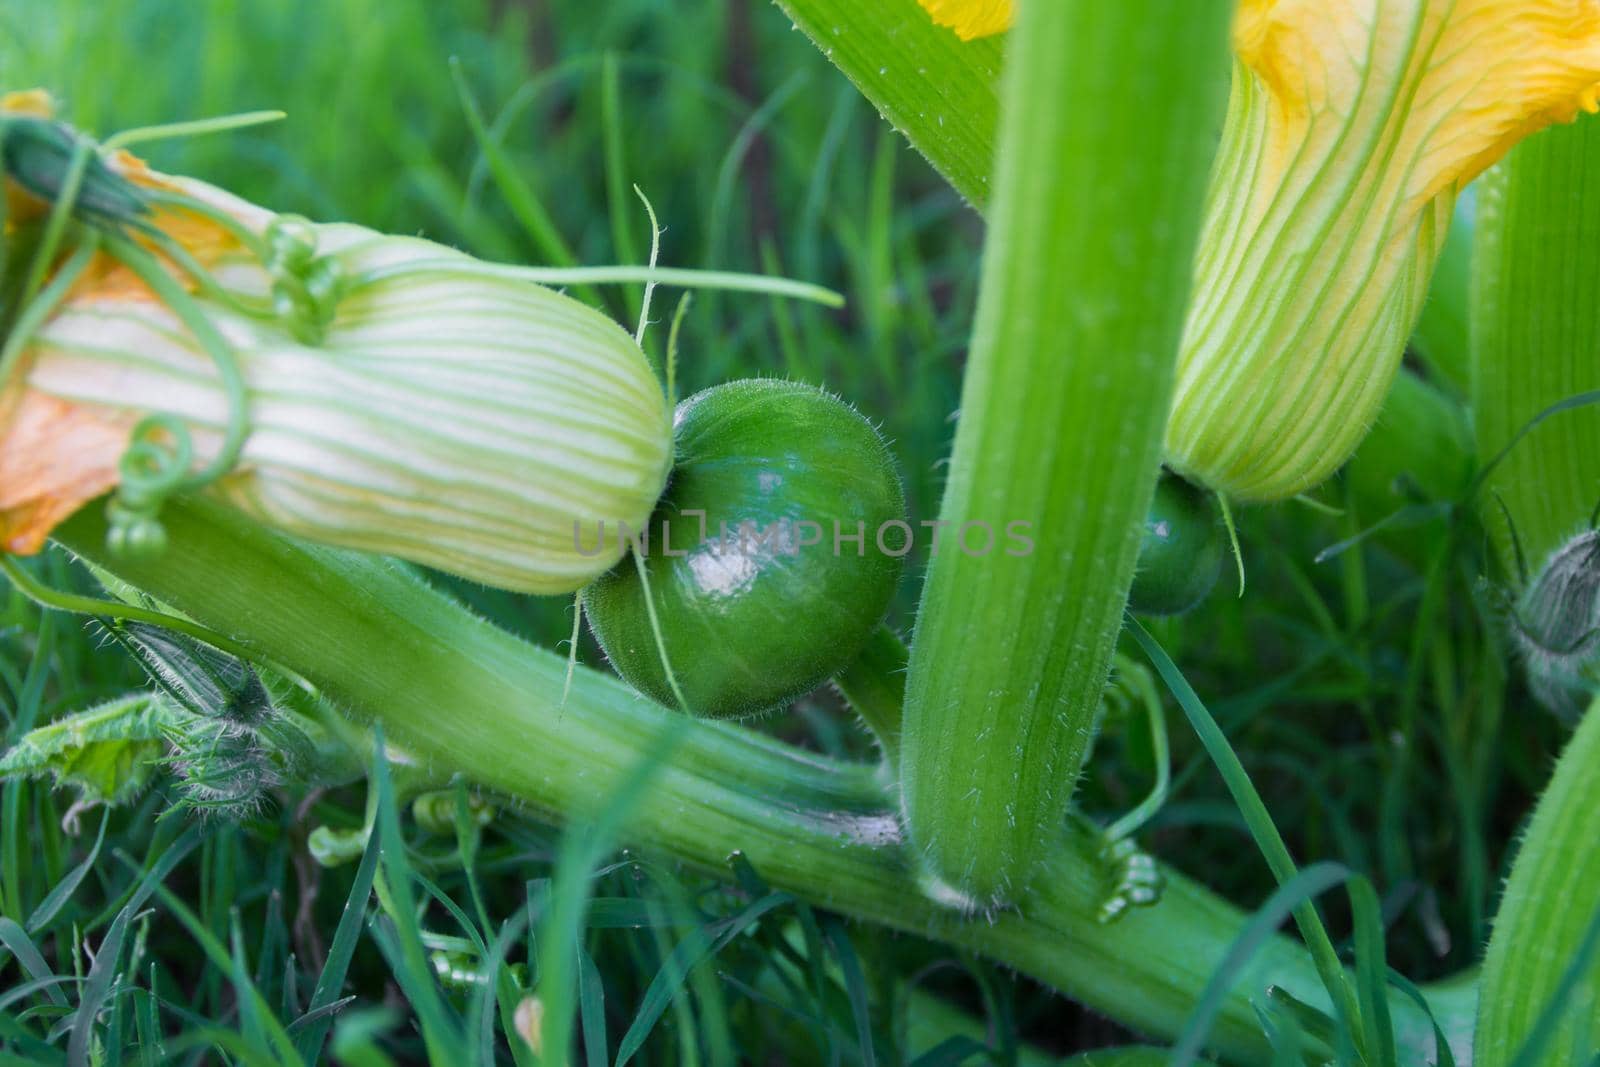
{"type": "Point", "coordinates": [447, 416]}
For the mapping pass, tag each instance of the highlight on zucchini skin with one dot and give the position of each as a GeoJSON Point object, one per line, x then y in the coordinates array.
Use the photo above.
{"type": "Point", "coordinates": [1181, 551]}
{"type": "Point", "coordinates": [774, 595]}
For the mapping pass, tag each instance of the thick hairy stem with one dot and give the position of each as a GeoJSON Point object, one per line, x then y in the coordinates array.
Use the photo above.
{"type": "Point", "coordinates": [1109, 124]}
{"type": "Point", "coordinates": [1541, 977]}
{"type": "Point", "coordinates": [875, 686]}
{"type": "Point", "coordinates": [468, 697]}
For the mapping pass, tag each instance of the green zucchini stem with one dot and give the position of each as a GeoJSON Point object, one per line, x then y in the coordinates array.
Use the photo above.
{"type": "Point", "coordinates": [1108, 128]}
{"type": "Point", "coordinates": [874, 685]}
{"type": "Point", "coordinates": [463, 696]}
{"type": "Point", "coordinates": [1541, 976]}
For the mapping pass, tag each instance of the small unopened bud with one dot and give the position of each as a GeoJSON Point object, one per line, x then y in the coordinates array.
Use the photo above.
{"type": "Point", "coordinates": [1556, 627]}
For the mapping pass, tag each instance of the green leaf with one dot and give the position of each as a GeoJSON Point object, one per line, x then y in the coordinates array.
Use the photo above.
{"type": "Point", "coordinates": [1110, 117]}
{"type": "Point", "coordinates": [1536, 336]}
{"type": "Point", "coordinates": [940, 92]}
{"type": "Point", "coordinates": [107, 753]}
{"type": "Point", "coordinates": [1541, 976]}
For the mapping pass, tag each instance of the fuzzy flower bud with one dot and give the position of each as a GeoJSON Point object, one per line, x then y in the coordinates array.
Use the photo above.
{"type": "Point", "coordinates": [1556, 627]}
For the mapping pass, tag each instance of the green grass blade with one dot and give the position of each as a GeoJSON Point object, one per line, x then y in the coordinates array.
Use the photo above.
{"type": "Point", "coordinates": [1110, 118]}
{"type": "Point", "coordinates": [28, 956]}
{"type": "Point", "coordinates": [592, 1010]}
{"type": "Point", "coordinates": [250, 1004]}
{"type": "Point", "coordinates": [1131, 1056]}
{"type": "Point", "coordinates": [345, 936]}
{"type": "Point", "coordinates": [1535, 334]}
{"type": "Point", "coordinates": [409, 957]}
{"type": "Point", "coordinates": [528, 208]}
{"type": "Point", "coordinates": [1541, 975]}
{"type": "Point", "coordinates": [254, 1011]}
{"type": "Point", "coordinates": [1259, 821]}
{"type": "Point", "coordinates": [29, 702]}
{"type": "Point", "coordinates": [1305, 885]}
{"type": "Point", "coordinates": [58, 896]}
{"type": "Point", "coordinates": [97, 984]}
{"type": "Point", "coordinates": [1372, 973]}
{"type": "Point", "coordinates": [582, 848]}
{"type": "Point", "coordinates": [855, 985]}
{"type": "Point", "coordinates": [1444, 1056]}
{"type": "Point", "coordinates": [699, 945]}
{"type": "Point", "coordinates": [27, 989]}
{"type": "Point", "coordinates": [938, 91]}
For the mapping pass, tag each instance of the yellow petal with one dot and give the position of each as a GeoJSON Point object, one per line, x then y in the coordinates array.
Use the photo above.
{"type": "Point", "coordinates": [34, 102]}
{"type": "Point", "coordinates": [1351, 128]}
{"type": "Point", "coordinates": [972, 18]}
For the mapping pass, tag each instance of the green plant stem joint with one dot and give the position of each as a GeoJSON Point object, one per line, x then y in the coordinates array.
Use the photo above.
{"type": "Point", "coordinates": [1180, 551]}
{"type": "Point", "coordinates": [771, 556]}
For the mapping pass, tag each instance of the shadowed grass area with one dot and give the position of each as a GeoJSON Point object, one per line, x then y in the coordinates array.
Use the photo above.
{"type": "Point", "coordinates": [1367, 696]}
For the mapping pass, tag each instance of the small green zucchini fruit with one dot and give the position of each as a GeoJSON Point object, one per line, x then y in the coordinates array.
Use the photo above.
{"type": "Point", "coordinates": [771, 556]}
{"type": "Point", "coordinates": [1181, 552]}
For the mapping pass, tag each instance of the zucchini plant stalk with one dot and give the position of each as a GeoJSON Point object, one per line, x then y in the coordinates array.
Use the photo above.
{"type": "Point", "coordinates": [1541, 977]}
{"type": "Point", "coordinates": [470, 698]}
{"type": "Point", "coordinates": [1109, 113]}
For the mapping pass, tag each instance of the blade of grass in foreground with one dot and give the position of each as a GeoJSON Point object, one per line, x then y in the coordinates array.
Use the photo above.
{"type": "Point", "coordinates": [330, 983]}
{"type": "Point", "coordinates": [1535, 336]}
{"type": "Point", "coordinates": [1110, 112]}
{"type": "Point", "coordinates": [1259, 821]}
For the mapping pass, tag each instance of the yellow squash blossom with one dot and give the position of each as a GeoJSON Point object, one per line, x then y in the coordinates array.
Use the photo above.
{"type": "Point", "coordinates": [1352, 127]}
{"type": "Point", "coordinates": [402, 397]}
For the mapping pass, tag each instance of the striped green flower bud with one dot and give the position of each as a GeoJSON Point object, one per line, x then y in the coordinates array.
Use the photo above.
{"type": "Point", "coordinates": [398, 397]}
